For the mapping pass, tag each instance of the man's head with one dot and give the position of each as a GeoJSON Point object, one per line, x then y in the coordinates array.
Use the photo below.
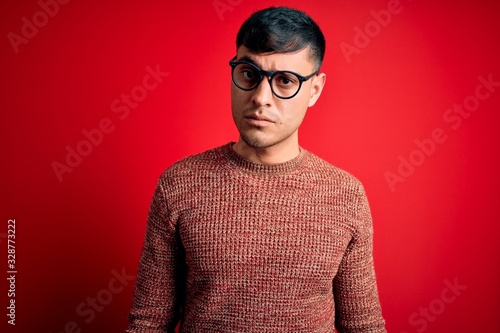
{"type": "Point", "coordinates": [282, 30]}
{"type": "Point", "coordinates": [268, 107]}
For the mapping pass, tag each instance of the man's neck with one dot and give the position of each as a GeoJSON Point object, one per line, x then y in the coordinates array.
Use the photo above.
{"type": "Point", "coordinates": [279, 153]}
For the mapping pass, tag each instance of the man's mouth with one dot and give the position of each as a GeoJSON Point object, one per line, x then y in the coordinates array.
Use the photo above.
{"type": "Point", "coordinates": [259, 118]}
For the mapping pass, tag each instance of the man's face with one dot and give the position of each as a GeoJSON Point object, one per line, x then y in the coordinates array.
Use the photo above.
{"type": "Point", "coordinates": [264, 120]}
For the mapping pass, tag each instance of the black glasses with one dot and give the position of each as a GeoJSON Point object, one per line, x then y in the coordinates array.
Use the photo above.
{"type": "Point", "coordinates": [284, 84]}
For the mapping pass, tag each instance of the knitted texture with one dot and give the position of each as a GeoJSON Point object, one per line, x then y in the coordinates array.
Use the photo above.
{"type": "Point", "coordinates": [235, 246]}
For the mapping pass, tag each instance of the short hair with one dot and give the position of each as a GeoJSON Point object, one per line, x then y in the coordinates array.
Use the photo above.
{"type": "Point", "coordinates": [282, 30]}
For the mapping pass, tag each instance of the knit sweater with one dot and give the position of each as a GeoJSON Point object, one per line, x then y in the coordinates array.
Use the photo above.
{"type": "Point", "coordinates": [235, 246]}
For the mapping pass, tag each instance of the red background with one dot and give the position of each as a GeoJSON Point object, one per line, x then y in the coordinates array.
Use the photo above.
{"type": "Point", "coordinates": [438, 227]}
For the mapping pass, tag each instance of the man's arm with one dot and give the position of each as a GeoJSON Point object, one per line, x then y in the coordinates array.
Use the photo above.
{"type": "Point", "coordinates": [158, 296]}
{"type": "Point", "coordinates": [357, 306]}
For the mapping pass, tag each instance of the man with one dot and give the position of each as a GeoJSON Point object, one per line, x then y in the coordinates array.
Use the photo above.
{"type": "Point", "coordinates": [261, 235]}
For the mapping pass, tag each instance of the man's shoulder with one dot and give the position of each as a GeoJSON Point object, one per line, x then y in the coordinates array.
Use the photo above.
{"type": "Point", "coordinates": [204, 161]}
{"type": "Point", "coordinates": [331, 173]}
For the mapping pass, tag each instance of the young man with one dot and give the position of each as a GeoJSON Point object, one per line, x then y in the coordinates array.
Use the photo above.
{"type": "Point", "coordinates": [261, 235]}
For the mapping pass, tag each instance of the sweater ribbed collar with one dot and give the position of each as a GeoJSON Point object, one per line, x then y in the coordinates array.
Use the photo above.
{"type": "Point", "coordinates": [247, 165]}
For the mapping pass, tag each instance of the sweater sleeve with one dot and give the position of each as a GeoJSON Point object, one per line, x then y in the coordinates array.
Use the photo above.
{"type": "Point", "coordinates": [357, 306]}
{"type": "Point", "coordinates": [157, 296]}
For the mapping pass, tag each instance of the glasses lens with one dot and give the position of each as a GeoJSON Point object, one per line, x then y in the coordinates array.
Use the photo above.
{"type": "Point", "coordinates": [246, 76]}
{"type": "Point", "coordinates": [285, 84]}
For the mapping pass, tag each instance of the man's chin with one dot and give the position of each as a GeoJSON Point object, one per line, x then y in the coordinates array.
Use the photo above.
{"type": "Point", "coordinates": [254, 142]}
{"type": "Point", "coordinates": [257, 142]}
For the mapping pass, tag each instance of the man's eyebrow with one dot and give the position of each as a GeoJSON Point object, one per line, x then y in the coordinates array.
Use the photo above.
{"type": "Point", "coordinates": [248, 59]}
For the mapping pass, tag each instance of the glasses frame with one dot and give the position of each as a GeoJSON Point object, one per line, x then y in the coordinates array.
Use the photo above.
{"type": "Point", "coordinates": [269, 74]}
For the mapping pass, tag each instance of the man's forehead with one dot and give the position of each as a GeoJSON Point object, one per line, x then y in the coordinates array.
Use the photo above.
{"type": "Point", "coordinates": [276, 60]}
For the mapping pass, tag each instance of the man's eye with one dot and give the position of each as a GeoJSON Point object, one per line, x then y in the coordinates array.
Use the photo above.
{"type": "Point", "coordinates": [247, 74]}
{"type": "Point", "coordinates": [285, 80]}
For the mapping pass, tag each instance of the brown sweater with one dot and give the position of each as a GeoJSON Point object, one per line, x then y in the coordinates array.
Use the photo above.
{"type": "Point", "coordinates": [234, 246]}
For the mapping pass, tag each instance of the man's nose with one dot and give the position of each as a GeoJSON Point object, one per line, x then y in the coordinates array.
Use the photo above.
{"type": "Point", "coordinates": [263, 94]}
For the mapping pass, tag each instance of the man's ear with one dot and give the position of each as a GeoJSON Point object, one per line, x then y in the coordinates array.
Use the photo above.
{"type": "Point", "coordinates": [317, 87]}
